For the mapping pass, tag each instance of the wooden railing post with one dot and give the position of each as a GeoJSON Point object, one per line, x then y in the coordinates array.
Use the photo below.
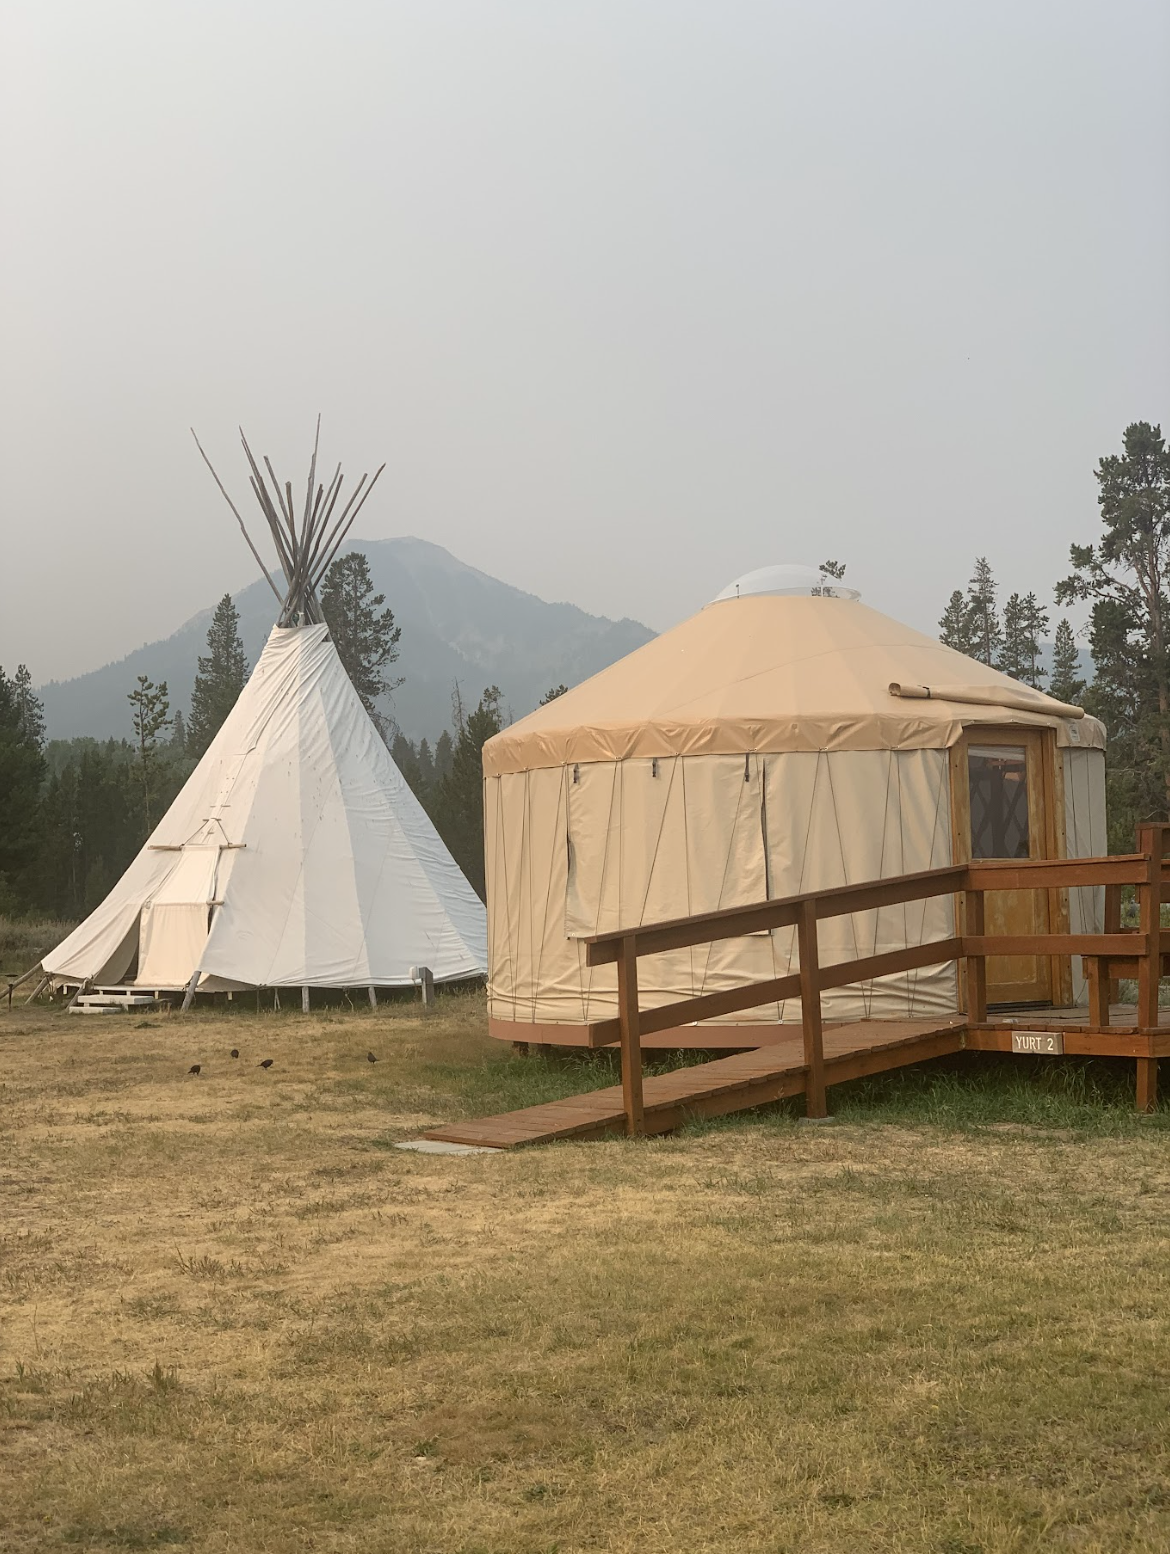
{"type": "Point", "coordinates": [1097, 974]}
{"type": "Point", "coordinates": [627, 985]}
{"type": "Point", "coordinates": [974, 926]}
{"type": "Point", "coordinates": [1112, 924]}
{"type": "Point", "coordinates": [810, 1012]}
{"type": "Point", "coordinates": [1151, 840]}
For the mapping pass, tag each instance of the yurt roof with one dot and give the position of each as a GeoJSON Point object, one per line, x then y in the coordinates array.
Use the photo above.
{"type": "Point", "coordinates": [780, 668]}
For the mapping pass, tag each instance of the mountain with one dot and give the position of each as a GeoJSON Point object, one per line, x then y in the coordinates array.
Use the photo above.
{"type": "Point", "coordinates": [458, 624]}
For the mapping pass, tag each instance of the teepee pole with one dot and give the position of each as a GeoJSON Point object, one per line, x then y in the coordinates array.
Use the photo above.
{"type": "Point", "coordinates": [189, 995]}
{"type": "Point", "coordinates": [239, 520]}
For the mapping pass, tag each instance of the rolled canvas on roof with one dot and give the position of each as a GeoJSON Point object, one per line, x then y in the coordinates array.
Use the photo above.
{"type": "Point", "coordinates": [327, 870]}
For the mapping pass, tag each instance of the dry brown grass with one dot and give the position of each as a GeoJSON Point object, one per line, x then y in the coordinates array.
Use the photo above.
{"type": "Point", "coordinates": [232, 1318]}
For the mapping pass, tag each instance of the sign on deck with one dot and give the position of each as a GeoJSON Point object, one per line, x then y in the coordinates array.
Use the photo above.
{"type": "Point", "coordinates": [1048, 1043]}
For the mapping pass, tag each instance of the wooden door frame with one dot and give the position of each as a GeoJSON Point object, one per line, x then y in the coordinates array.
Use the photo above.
{"type": "Point", "coordinates": [1053, 832]}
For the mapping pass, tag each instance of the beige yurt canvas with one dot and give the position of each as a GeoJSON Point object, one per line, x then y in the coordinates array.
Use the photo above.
{"type": "Point", "coordinates": [786, 738]}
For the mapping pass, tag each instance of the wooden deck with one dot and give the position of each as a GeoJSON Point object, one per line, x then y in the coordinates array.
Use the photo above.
{"type": "Point", "coordinates": [777, 1069]}
{"type": "Point", "coordinates": [816, 1057]}
{"type": "Point", "coordinates": [737, 1083]}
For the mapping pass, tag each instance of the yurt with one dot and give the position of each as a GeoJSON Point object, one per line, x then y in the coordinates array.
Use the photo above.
{"type": "Point", "coordinates": [296, 856]}
{"type": "Point", "coordinates": [786, 738]}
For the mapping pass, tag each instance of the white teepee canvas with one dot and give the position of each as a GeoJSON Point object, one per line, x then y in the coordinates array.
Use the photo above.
{"type": "Point", "coordinates": [296, 855]}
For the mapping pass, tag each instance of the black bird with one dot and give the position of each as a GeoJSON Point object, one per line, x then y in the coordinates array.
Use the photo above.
{"type": "Point", "coordinates": [370, 1058]}
{"type": "Point", "coordinates": [235, 1052]}
{"type": "Point", "coordinates": [194, 1069]}
{"type": "Point", "coordinates": [267, 1063]}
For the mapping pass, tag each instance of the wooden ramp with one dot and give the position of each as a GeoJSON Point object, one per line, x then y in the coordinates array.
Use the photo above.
{"type": "Point", "coordinates": [731, 1084]}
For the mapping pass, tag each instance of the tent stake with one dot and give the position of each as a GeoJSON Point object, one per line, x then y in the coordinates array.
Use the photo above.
{"type": "Point", "coordinates": [36, 992]}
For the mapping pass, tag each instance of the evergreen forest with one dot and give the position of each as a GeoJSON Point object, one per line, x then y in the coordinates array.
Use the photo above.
{"type": "Point", "coordinates": [77, 811]}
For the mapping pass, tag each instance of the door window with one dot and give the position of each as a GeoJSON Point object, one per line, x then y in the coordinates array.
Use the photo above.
{"type": "Point", "coordinates": [998, 779]}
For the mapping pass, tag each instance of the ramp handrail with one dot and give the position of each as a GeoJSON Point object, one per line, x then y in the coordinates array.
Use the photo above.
{"type": "Point", "coordinates": [1106, 955]}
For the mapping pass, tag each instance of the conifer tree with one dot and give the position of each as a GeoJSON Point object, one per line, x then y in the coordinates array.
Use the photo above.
{"type": "Point", "coordinates": [1024, 623]}
{"type": "Point", "coordinates": [22, 768]}
{"type": "Point", "coordinates": [986, 633]}
{"type": "Point", "coordinates": [954, 626]}
{"type": "Point", "coordinates": [152, 715]}
{"type": "Point", "coordinates": [557, 690]}
{"type": "Point", "coordinates": [178, 734]}
{"type": "Point", "coordinates": [457, 804]}
{"type": "Point", "coordinates": [426, 764]}
{"type": "Point", "coordinates": [220, 678]}
{"type": "Point", "coordinates": [1126, 575]}
{"type": "Point", "coordinates": [1067, 684]}
{"type": "Point", "coordinates": [405, 758]}
{"type": "Point", "coordinates": [363, 631]}
{"type": "Point", "coordinates": [1036, 621]}
{"type": "Point", "coordinates": [29, 706]}
{"type": "Point", "coordinates": [1013, 656]}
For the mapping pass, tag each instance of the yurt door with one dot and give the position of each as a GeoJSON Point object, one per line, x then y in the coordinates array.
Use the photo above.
{"type": "Point", "coordinates": [999, 781]}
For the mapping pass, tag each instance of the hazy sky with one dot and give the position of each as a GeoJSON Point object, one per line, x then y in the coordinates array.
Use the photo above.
{"type": "Point", "coordinates": [632, 295]}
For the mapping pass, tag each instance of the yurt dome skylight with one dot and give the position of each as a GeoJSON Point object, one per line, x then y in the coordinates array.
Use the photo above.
{"type": "Point", "coordinates": [789, 579]}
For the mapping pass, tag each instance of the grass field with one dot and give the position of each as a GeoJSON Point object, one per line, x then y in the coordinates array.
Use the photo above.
{"type": "Point", "coordinates": [234, 1318]}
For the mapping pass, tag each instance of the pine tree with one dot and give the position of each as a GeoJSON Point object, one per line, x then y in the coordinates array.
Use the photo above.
{"type": "Point", "coordinates": [178, 734]}
{"type": "Point", "coordinates": [444, 755]}
{"type": "Point", "coordinates": [426, 764]}
{"type": "Point", "coordinates": [219, 679]}
{"type": "Point", "coordinates": [152, 715]}
{"type": "Point", "coordinates": [983, 616]}
{"type": "Point", "coordinates": [405, 758]}
{"type": "Point", "coordinates": [1127, 578]}
{"type": "Point", "coordinates": [1013, 652]}
{"type": "Point", "coordinates": [29, 706]}
{"type": "Point", "coordinates": [1024, 623]}
{"type": "Point", "coordinates": [457, 800]}
{"type": "Point", "coordinates": [1035, 622]}
{"type": "Point", "coordinates": [954, 626]}
{"type": "Point", "coordinates": [557, 690]}
{"type": "Point", "coordinates": [1067, 684]}
{"type": "Point", "coordinates": [364, 633]}
{"type": "Point", "coordinates": [22, 768]}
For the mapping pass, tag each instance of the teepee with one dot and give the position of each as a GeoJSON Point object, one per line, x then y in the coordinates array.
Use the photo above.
{"type": "Point", "coordinates": [295, 855]}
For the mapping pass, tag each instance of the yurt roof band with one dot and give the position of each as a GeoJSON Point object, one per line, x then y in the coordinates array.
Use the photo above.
{"type": "Point", "coordinates": [769, 673]}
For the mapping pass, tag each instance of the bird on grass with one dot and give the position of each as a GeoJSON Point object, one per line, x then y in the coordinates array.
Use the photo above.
{"type": "Point", "coordinates": [265, 1063]}
{"type": "Point", "coordinates": [195, 1067]}
{"type": "Point", "coordinates": [235, 1052]}
{"type": "Point", "coordinates": [370, 1058]}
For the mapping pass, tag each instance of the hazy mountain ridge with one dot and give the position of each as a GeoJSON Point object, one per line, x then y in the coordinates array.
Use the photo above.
{"type": "Point", "coordinates": [458, 624]}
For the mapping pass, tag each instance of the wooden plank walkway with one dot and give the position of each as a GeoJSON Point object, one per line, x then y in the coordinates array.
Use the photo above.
{"type": "Point", "coordinates": [737, 1083]}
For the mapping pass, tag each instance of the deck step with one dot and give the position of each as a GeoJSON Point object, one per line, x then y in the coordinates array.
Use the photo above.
{"type": "Point", "coordinates": [112, 1000]}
